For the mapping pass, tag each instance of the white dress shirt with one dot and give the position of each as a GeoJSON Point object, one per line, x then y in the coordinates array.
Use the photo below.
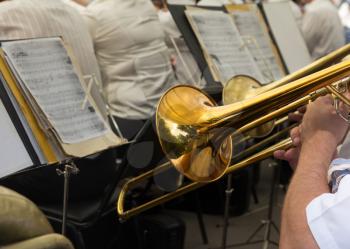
{"type": "Point", "coordinates": [20, 19]}
{"type": "Point", "coordinates": [344, 13]}
{"type": "Point", "coordinates": [322, 28]}
{"type": "Point", "coordinates": [130, 49]}
{"type": "Point", "coordinates": [328, 217]}
{"type": "Point", "coordinates": [186, 69]}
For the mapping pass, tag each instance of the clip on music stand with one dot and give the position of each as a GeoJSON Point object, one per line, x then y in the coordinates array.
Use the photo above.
{"type": "Point", "coordinates": [69, 166]}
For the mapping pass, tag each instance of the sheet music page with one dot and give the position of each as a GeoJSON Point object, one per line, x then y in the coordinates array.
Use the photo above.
{"type": "Point", "coordinates": [46, 71]}
{"type": "Point", "coordinates": [14, 156]}
{"type": "Point", "coordinates": [218, 34]}
{"type": "Point", "coordinates": [258, 43]}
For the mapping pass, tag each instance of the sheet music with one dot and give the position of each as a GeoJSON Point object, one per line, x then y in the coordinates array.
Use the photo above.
{"type": "Point", "coordinates": [46, 71]}
{"type": "Point", "coordinates": [222, 41]}
{"type": "Point", "coordinates": [252, 31]}
{"type": "Point", "coordinates": [14, 156]}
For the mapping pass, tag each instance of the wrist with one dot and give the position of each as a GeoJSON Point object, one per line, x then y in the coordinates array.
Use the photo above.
{"type": "Point", "coordinates": [323, 140]}
{"type": "Point", "coordinates": [319, 150]}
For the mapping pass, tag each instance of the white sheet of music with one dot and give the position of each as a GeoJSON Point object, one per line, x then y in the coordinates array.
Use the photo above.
{"type": "Point", "coordinates": [14, 156]}
{"type": "Point", "coordinates": [46, 70]}
{"type": "Point", "coordinates": [223, 42]}
{"type": "Point", "coordinates": [252, 31]}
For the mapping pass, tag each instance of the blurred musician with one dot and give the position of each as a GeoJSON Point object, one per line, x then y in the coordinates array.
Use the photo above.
{"type": "Point", "coordinates": [134, 60]}
{"type": "Point", "coordinates": [20, 19]}
{"type": "Point", "coordinates": [316, 208]}
{"type": "Point", "coordinates": [184, 64]}
{"type": "Point", "coordinates": [321, 27]}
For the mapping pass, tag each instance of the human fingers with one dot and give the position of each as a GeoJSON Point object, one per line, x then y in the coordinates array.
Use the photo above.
{"type": "Point", "coordinates": [279, 154]}
{"type": "Point", "coordinates": [292, 156]}
{"type": "Point", "coordinates": [295, 116]}
{"type": "Point", "coordinates": [295, 136]}
{"type": "Point", "coordinates": [302, 109]}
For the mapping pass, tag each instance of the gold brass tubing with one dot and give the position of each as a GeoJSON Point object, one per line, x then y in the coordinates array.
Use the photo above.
{"type": "Point", "coordinates": [315, 66]}
{"type": "Point", "coordinates": [281, 120]}
{"type": "Point", "coordinates": [296, 89]}
{"type": "Point", "coordinates": [283, 145]}
{"type": "Point", "coordinates": [194, 132]}
{"type": "Point", "coordinates": [264, 142]}
{"type": "Point", "coordinates": [132, 182]}
{"type": "Point", "coordinates": [124, 215]}
{"type": "Point", "coordinates": [246, 138]}
{"type": "Point", "coordinates": [186, 118]}
{"type": "Point", "coordinates": [242, 87]}
{"type": "Point", "coordinates": [334, 91]}
{"type": "Point", "coordinates": [282, 111]}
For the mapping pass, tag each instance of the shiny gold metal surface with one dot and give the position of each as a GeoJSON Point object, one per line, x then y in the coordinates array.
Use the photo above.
{"type": "Point", "coordinates": [242, 87]}
{"type": "Point", "coordinates": [194, 133]}
{"type": "Point", "coordinates": [126, 214]}
{"type": "Point", "coordinates": [180, 115]}
{"type": "Point", "coordinates": [238, 88]}
{"type": "Point", "coordinates": [192, 129]}
{"type": "Point", "coordinates": [246, 87]}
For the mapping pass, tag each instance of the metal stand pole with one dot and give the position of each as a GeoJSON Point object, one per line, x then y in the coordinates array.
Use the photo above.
{"type": "Point", "coordinates": [268, 223]}
{"type": "Point", "coordinates": [69, 168]}
{"type": "Point", "coordinates": [200, 220]}
{"type": "Point", "coordinates": [228, 194]}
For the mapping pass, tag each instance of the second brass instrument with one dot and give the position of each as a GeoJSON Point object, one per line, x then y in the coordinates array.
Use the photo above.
{"type": "Point", "coordinates": [195, 133]}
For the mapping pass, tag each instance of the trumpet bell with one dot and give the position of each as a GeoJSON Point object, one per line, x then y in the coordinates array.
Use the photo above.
{"type": "Point", "coordinates": [242, 87]}
{"type": "Point", "coordinates": [238, 88]}
{"type": "Point", "coordinates": [181, 114]}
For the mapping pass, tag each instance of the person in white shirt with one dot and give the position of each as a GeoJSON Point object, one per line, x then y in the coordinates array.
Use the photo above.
{"type": "Point", "coordinates": [134, 60]}
{"type": "Point", "coordinates": [317, 204]}
{"type": "Point", "coordinates": [45, 22]}
{"type": "Point", "coordinates": [21, 19]}
{"type": "Point", "coordinates": [185, 67]}
{"type": "Point", "coordinates": [321, 27]}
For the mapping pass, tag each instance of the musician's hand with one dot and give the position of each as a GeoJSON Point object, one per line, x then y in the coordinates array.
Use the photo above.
{"type": "Point", "coordinates": [322, 124]}
{"type": "Point", "coordinates": [298, 115]}
{"type": "Point", "coordinates": [291, 155]}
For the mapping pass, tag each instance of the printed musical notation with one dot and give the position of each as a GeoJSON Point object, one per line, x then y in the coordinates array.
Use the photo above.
{"type": "Point", "coordinates": [222, 42]}
{"type": "Point", "coordinates": [46, 72]}
{"type": "Point", "coordinates": [258, 43]}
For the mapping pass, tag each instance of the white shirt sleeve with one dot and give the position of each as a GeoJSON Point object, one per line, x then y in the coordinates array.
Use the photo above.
{"type": "Point", "coordinates": [328, 217]}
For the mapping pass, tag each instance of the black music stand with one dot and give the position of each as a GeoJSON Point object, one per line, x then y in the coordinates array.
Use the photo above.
{"type": "Point", "coordinates": [84, 214]}
{"type": "Point", "coordinates": [69, 169]}
{"type": "Point", "coordinates": [268, 224]}
{"type": "Point", "coordinates": [178, 14]}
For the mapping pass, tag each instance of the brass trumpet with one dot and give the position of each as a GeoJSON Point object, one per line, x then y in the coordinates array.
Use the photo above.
{"type": "Point", "coordinates": [195, 133]}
